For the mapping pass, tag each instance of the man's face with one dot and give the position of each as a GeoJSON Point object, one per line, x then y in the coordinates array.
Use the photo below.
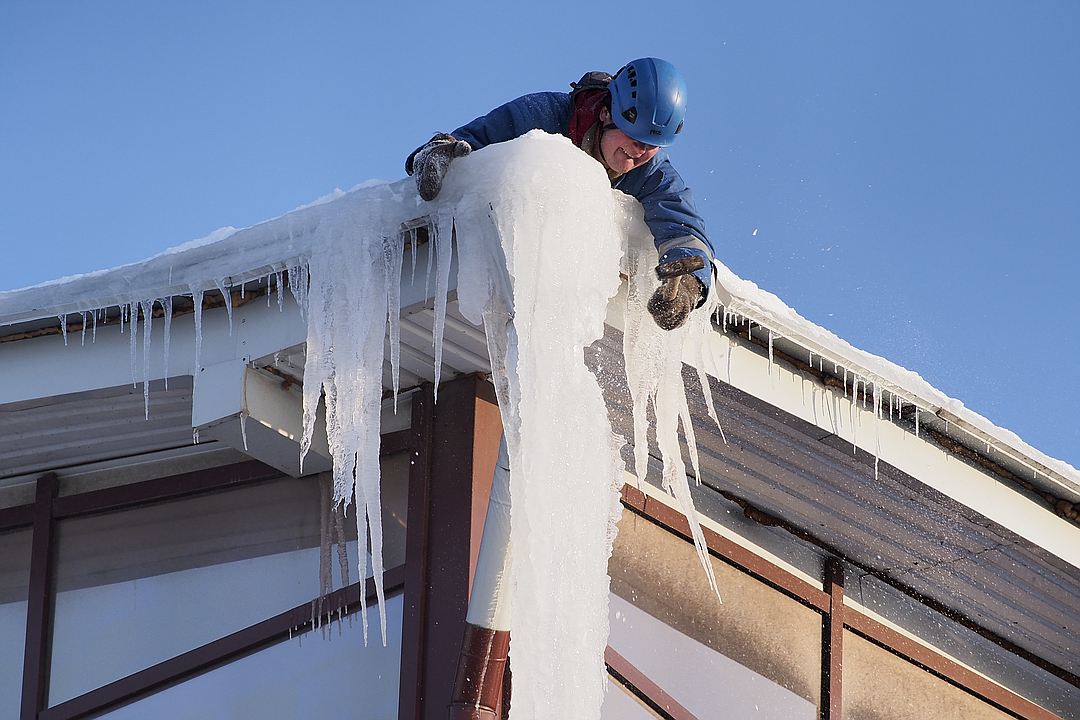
{"type": "Point", "coordinates": [622, 153]}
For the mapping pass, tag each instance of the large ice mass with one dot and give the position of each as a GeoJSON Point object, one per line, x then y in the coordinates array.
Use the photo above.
{"type": "Point", "coordinates": [565, 471]}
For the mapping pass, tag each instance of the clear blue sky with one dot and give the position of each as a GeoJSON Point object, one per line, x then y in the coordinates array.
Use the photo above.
{"type": "Point", "coordinates": [911, 168]}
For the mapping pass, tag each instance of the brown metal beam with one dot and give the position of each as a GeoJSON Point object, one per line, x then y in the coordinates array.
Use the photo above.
{"type": "Point", "coordinates": [950, 671]}
{"type": "Point", "coordinates": [395, 442]}
{"type": "Point", "coordinates": [206, 657]}
{"type": "Point", "coordinates": [16, 517]}
{"type": "Point", "coordinates": [440, 546]}
{"type": "Point", "coordinates": [675, 521]}
{"type": "Point", "coordinates": [837, 617]}
{"type": "Point", "coordinates": [414, 621]}
{"type": "Point", "coordinates": [449, 541]}
{"type": "Point", "coordinates": [832, 644]}
{"type": "Point", "coordinates": [637, 682]}
{"type": "Point", "coordinates": [166, 488]}
{"type": "Point", "coordinates": [191, 483]}
{"type": "Point", "coordinates": [35, 684]}
{"type": "Point", "coordinates": [760, 516]}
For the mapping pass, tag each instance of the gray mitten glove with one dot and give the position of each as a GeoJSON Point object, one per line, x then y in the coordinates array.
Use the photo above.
{"type": "Point", "coordinates": [679, 292]}
{"type": "Point", "coordinates": [429, 162]}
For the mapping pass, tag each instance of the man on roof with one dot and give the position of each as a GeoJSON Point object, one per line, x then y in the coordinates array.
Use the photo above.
{"type": "Point", "coordinates": [622, 122]}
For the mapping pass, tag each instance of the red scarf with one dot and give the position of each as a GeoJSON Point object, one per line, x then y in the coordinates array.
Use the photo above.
{"type": "Point", "coordinates": [585, 113]}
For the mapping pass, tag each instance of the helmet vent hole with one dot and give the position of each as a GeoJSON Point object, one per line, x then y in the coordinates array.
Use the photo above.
{"type": "Point", "coordinates": [678, 129]}
{"type": "Point", "coordinates": [630, 115]}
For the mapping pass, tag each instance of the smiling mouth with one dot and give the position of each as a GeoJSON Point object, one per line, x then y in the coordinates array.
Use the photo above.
{"type": "Point", "coordinates": [635, 158]}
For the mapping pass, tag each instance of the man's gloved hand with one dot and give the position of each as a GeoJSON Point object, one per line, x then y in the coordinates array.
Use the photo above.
{"type": "Point", "coordinates": [679, 292]}
{"type": "Point", "coordinates": [429, 162]}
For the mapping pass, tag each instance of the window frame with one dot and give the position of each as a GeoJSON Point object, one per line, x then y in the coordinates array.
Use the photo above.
{"type": "Point", "coordinates": [48, 508]}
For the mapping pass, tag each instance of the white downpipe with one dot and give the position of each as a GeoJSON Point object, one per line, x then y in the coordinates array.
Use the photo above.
{"type": "Point", "coordinates": [489, 602]}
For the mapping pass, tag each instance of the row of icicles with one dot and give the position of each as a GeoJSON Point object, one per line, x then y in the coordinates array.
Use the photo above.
{"type": "Point", "coordinates": [295, 278]}
{"type": "Point", "coordinates": [875, 395]}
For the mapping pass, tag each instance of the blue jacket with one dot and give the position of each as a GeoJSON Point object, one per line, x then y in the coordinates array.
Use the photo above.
{"type": "Point", "coordinates": [669, 205]}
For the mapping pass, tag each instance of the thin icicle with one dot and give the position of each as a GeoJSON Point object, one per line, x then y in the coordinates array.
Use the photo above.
{"type": "Point", "coordinates": [63, 327]}
{"type": "Point", "coordinates": [392, 259]}
{"type": "Point", "coordinates": [877, 426]}
{"type": "Point", "coordinates": [280, 281]}
{"type": "Point", "coordinates": [147, 307]}
{"type": "Point", "coordinates": [430, 257]}
{"type": "Point", "coordinates": [166, 305]}
{"type": "Point", "coordinates": [298, 285]}
{"type": "Point", "coordinates": [443, 236]}
{"type": "Point", "coordinates": [243, 428]}
{"type": "Point", "coordinates": [412, 253]}
{"type": "Point", "coordinates": [770, 352]}
{"type": "Point", "coordinates": [82, 331]}
{"type": "Point", "coordinates": [227, 297]}
{"type": "Point", "coordinates": [269, 289]}
{"type": "Point", "coordinates": [197, 300]}
{"type": "Point", "coordinates": [653, 360]}
{"type": "Point", "coordinates": [243, 407]}
{"type": "Point", "coordinates": [852, 409]}
{"type": "Point", "coordinates": [133, 336]}
{"type": "Point", "coordinates": [93, 337]}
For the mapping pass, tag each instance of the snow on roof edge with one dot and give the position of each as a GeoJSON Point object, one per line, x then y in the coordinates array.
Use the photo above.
{"type": "Point", "coordinates": [224, 257]}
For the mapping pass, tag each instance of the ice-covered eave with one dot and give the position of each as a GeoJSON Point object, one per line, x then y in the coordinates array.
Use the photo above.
{"type": "Point", "coordinates": [229, 258]}
{"type": "Point", "coordinates": [779, 328]}
{"type": "Point", "coordinates": [226, 258]}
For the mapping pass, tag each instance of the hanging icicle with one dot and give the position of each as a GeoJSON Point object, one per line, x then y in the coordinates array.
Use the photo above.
{"type": "Point", "coordinates": [166, 306]}
{"type": "Point", "coordinates": [147, 308]}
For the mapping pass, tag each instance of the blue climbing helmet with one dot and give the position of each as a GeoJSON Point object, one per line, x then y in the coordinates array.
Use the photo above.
{"type": "Point", "coordinates": [648, 101]}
